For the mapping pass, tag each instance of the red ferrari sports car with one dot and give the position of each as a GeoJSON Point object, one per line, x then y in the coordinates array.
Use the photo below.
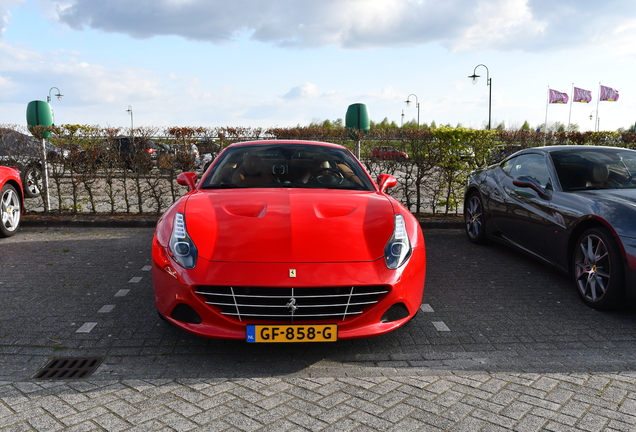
{"type": "Point", "coordinates": [287, 241]}
{"type": "Point", "coordinates": [11, 200]}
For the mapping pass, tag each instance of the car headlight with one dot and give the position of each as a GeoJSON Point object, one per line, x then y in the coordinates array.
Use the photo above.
{"type": "Point", "coordinates": [182, 247]}
{"type": "Point", "coordinates": [398, 249]}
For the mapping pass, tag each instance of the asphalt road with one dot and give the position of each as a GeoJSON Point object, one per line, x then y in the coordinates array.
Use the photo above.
{"type": "Point", "coordinates": [502, 342]}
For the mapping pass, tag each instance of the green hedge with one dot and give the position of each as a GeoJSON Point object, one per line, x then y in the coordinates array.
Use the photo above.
{"type": "Point", "coordinates": [93, 179]}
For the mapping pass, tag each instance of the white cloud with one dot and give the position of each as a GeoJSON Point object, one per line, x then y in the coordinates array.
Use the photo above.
{"type": "Point", "coordinates": [5, 15]}
{"type": "Point", "coordinates": [304, 91]}
{"type": "Point", "coordinates": [499, 23]}
{"type": "Point", "coordinates": [5, 84]}
{"type": "Point", "coordinates": [388, 93]}
{"type": "Point", "coordinates": [457, 24]}
{"type": "Point", "coordinates": [623, 36]}
{"type": "Point", "coordinates": [26, 68]}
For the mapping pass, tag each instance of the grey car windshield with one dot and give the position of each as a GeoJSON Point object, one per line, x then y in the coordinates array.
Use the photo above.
{"type": "Point", "coordinates": [287, 166]}
{"type": "Point", "coordinates": [607, 168]}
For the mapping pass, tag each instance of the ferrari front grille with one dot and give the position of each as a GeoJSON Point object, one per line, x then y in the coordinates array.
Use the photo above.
{"type": "Point", "coordinates": [291, 304]}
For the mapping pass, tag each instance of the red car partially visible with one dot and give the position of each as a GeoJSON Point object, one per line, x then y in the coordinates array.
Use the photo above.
{"type": "Point", "coordinates": [287, 241]}
{"type": "Point", "coordinates": [11, 200]}
{"type": "Point", "coordinates": [388, 153]}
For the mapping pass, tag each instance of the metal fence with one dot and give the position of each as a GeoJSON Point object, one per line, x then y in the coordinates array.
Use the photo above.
{"type": "Point", "coordinates": [111, 170]}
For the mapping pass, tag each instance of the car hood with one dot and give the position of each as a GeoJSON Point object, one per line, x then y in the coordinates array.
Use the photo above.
{"type": "Point", "coordinates": [620, 196]}
{"type": "Point", "coordinates": [295, 225]}
{"type": "Point", "coordinates": [616, 206]}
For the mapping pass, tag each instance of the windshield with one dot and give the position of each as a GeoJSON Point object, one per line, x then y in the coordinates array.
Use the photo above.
{"type": "Point", "coordinates": [287, 165]}
{"type": "Point", "coordinates": [595, 168]}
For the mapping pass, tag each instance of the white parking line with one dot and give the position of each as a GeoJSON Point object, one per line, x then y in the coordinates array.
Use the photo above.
{"type": "Point", "coordinates": [426, 308]}
{"type": "Point", "coordinates": [136, 279]}
{"type": "Point", "coordinates": [86, 327]}
{"type": "Point", "coordinates": [106, 309]}
{"type": "Point", "coordinates": [146, 268]}
{"type": "Point", "coordinates": [440, 326]}
{"type": "Point", "coordinates": [122, 292]}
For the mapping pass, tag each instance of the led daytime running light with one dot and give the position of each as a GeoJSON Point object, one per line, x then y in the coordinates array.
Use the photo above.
{"type": "Point", "coordinates": [399, 232]}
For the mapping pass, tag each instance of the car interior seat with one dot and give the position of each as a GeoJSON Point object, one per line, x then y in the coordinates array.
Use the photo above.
{"type": "Point", "coordinates": [598, 175]}
{"type": "Point", "coordinates": [315, 167]}
{"type": "Point", "coordinates": [252, 172]}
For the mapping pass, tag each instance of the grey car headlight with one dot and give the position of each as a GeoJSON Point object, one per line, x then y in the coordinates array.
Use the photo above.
{"type": "Point", "coordinates": [398, 249]}
{"type": "Point", "coordinates": [182, 247]}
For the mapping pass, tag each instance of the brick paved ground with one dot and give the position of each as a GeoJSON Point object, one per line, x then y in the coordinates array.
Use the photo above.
{"type": "Point", "coordinates": [471, 402]}
{"type": "Point", "coordinates": [502, 343]}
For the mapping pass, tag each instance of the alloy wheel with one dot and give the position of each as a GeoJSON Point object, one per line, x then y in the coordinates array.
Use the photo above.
{"type": "Point", "coordinates": [32, 182]}
{"type": "Point", "coordinates": [10, 208]}
{"type": "Point", "coordinates": [592, 268]}
{"type": "Point", "coordinates": [473, 218]}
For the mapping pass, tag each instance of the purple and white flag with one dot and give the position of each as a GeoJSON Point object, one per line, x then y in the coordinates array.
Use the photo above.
{"type": "Point", "coordinates": [558, 97]}
{"type": "Point", "coordinates": [581, 95]}
{"type": "Point", "coordinates": [608, 94]}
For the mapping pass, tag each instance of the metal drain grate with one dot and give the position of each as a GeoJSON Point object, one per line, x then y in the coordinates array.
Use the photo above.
{"type": "Point", "coordinates": [69, 368]}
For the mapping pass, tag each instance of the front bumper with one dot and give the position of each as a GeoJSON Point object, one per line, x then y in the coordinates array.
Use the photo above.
{"type": "Point", "coordinates": [175, 286]}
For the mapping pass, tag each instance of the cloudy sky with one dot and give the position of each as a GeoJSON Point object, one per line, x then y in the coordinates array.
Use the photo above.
{"type": "Point", "coordinates": [265, 63]}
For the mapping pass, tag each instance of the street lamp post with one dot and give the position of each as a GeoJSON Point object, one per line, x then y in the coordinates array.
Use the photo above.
{"type": "Point", "coordinates": [45, 166]}
{"type": "Point", "coordinates": [474, 77]}
{"type": "Point", "coordinates": [597, 122]}
{"type": "Point", "coordinates": [417, 104]}
{"type": "Point", "coordinates": [130, 111]}
{"type": "Point", "coordinates": [58, 95]}
{"type": "Point", "coordinates": [132, 138]}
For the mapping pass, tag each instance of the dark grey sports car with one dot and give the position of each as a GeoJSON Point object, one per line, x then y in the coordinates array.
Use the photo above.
{"type": "Point", "coordinates": [573, 207]}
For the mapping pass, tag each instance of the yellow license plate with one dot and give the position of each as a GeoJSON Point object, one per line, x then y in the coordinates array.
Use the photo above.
{"type": "Point", "coordinates": [292, 333]}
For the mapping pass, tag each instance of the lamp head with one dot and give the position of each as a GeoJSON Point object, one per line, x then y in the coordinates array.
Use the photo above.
{"type": "Point", "coordinates": [58, 95]}
{"type": "Point", "coordinates": [474, 78]}
{"type": "Point", "coordinates": [408, 102]}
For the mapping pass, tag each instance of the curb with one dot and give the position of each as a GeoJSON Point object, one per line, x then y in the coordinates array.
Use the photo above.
{"type": "Point", "coordinates": [442, 224]}
{"type": "Point", "coordinates": [107, 221]}
{"type": "Point", "coordinates": [32, 221]}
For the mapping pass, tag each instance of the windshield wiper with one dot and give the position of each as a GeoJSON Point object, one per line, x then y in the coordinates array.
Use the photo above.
{"type": "Point", "coordinates": [588, 188]}
{"type": "Point", "coordinates": [223, 186]}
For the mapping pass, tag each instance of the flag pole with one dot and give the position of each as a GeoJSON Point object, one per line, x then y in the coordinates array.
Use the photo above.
{"type": "Point", "coordinates": [547, 103]}
{"type": "Point", "coordinates": [597, 100]}
{"type": "Point", "coordinates": [571, 100]}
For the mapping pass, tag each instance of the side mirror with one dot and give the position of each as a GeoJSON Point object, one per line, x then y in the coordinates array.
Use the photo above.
{"type": "Point", "coordinates": [529, 182]}
{"type": "Point", "coordinates": [188, 179]}
{"type": "Point", "coordinates": [386, 181]}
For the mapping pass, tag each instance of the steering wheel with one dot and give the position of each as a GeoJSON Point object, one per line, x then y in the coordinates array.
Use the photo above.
{"type": "Point", "coordinates": [336, 175]}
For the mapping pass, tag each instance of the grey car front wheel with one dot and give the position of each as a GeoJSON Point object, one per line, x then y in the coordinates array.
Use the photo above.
{"type": "Point", "coordinates": [474, 218]}
{"type": "Point", "coordinates": [597, 269]}
{"type": "Point", "coordinates": [32, 181]}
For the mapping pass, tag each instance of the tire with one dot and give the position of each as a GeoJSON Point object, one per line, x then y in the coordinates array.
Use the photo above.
{"type": "Point", "coordinates": [597, 269]}
{"type": "Point", "coordinates": [32, 181]}
{"type": "Point", "coordinates": [474, 218]}
{"type": "Point", "coordinates": [10, 209]}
